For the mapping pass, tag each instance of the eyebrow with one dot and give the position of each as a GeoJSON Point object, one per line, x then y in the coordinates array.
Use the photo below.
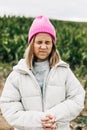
{"type": "Point", "coordinates": [45, 40]}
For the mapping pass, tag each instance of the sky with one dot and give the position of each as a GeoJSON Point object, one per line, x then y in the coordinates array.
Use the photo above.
{"type": "Point", "coordinates": [72, 10]}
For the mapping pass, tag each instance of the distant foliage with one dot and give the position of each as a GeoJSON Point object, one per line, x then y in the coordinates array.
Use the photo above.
{"type": "Point", "coordinates": [13, 37]}
{"type": "Point", "coordinates": [72, 44]}
{"type": "Point", "coordinates": [71, 40]}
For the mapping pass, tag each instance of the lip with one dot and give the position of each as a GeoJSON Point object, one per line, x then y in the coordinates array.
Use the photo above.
{"type": "Point", "coordinates": [43, 51]}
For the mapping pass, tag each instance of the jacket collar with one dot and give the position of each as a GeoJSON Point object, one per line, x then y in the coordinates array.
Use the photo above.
{"type": "Point", "coordinates": [61, 63]}
{"type": "Point", "coordinates": [22, 68]}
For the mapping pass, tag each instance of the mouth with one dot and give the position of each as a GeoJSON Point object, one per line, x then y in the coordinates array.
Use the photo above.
{"type": "Point", "coordinates": [43, 51]}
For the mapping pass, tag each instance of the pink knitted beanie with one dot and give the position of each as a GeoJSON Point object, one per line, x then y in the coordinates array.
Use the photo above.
{"type": "Point", "coordinates": [41, 24]}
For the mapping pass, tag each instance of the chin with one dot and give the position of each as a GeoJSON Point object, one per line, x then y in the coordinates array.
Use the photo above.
{"type": "Point", "coordinates": [42, 59]}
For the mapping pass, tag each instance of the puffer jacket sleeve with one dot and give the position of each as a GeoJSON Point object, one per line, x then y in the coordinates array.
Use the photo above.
{"type": "Point", "coordinates": [12, 108]}
{"type": "Point", "coordinates": [74, 102]}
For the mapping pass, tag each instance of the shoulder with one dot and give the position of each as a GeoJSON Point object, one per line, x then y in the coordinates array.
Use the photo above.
{"type": "Point", "coordinates": [13, 75]}
{"type": "Point", "coordinates": [63, 64]}
{"type": "Point", "coordinates": [64, 69]}
{"type": "Point", "coordinates": [13, 78]}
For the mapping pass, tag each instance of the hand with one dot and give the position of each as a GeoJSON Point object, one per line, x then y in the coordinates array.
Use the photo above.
{"type": "Point", "coordinates": [49, 123]}
{"type": "Point", "coordinates": [49, 129]}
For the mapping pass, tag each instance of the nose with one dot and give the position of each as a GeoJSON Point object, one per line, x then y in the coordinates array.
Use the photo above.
{"type": "Point", "coordinates": [43, 46]}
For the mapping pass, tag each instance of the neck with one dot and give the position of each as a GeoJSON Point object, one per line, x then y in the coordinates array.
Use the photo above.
{"type": "Point", "coordinates": [40, 60]}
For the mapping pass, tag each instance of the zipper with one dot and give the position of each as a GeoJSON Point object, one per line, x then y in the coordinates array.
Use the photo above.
{"type": "Point", "coordinates": [47, 80]}
{"type": "Point", "coordinates": [38, 87]}
{"type": "Point", "coordinates": [43, 97]}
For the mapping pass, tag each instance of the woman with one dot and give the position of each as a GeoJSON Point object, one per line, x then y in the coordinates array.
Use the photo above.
{"type": "Point", "coordinates": [41, 93]}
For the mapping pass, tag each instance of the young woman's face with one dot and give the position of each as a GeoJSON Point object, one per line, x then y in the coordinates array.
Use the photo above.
{"type": "Point", "coordinates": [42, 46]}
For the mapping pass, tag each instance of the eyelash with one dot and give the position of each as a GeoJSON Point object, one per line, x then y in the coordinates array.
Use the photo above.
{"type": "Point", "coordinates": [41, 43]}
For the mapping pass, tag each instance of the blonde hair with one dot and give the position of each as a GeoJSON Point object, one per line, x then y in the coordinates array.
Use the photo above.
{"type": "Point", "coordinates": [29, 55]}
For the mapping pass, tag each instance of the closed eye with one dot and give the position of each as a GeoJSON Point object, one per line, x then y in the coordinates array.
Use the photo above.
{"type": "Point", "coordinates": [48, 42]}
{"type": "Point", "coordinates": [39, 42]}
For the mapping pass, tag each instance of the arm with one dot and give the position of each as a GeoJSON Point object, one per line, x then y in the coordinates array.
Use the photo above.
{"type": "Point", "coordinates": [12, 107]}
{"type": "Point", "coordinates": [74, 103]}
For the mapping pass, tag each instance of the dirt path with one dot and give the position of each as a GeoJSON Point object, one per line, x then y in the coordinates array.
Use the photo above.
{"type": "Point", "coordinates": [3, 124]}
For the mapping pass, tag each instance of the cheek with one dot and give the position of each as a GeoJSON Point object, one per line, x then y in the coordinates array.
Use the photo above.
{"type": "Point", "coordinates": [35, 46]}
{"type": "Point", "coordinates": [50, 49]}
{"type": "Point", "coordinates": [35, 49]}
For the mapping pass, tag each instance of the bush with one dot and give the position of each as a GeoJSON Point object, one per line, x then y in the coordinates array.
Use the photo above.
{"type": "Point", "coordinates": [71, 40]}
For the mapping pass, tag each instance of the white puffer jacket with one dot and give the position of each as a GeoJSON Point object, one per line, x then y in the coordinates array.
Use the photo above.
{"type": "Point", "coordinates": [22, 104]}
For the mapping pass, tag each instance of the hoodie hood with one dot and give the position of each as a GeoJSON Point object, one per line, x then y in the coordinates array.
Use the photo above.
{"type": "Point", "coordinates": [22, 67]}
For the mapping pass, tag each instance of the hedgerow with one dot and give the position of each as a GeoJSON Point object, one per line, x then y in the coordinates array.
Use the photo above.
{"type": "Point", "coordinates": [71, 41]}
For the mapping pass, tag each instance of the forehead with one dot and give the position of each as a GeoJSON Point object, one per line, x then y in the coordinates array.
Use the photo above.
{"type": "Point", "coordinates": [43, 36]}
